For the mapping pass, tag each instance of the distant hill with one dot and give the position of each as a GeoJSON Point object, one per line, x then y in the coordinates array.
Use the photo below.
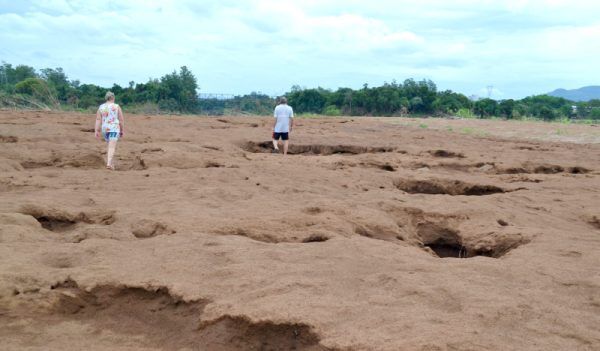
{"type": "Point", "coordinates": [581, 94]}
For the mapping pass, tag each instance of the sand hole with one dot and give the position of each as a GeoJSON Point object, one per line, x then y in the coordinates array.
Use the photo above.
{"type": "Point", "coordinates": [61, 221]}
{"type": "Point", "coordinates": [8, 139]}
{"type": "Point", "coordinates": [313, 210]}
{"type": "Point", "coordinates": [30, 164]}
{"type": "Point", "coordinates": [315, 149]}
{"type": "Point", "coordinates": [55, 224]}
{"type": "Point", "coordinates": [447, 242]}
{"type": "Point", "coordinates": [548, 169]}
{"type": "Point", "coordinates": [387, 167]}
{"type": "Point", "coordinates": [213, 164]}
{"type": "Point", "coordinates": [438, 234]}
{"type": "Point", "coordinates": [448, 250]}
{"type": "Point", "coordinates": [84, 161]}
{"type": "Point", "coordinates": [578, 170]}
{"type": "Point", "coordinates": [90, 160]}
{"type": "Point", "coordinates": [543, 169]}
{"type": "Point", "coordinates": [446, 153]}
{"type": "Point", "coordinates": [128, 163]}
{"type": "Point", "coordinates": [382, 166]}
{"type": "Point", "coordinates": [168, 322]}
{"type": "Point", "coordinates": [443, 241]}
{"type": "Point", "coordinates": [593, 220]}
{"type": "Point", "coordinates": [315, 238]}
{"type": "Point", "coordinates": [448, 187]}
{"type": "Point", "coordinates": [152, 149]}
{"type": "Point", "coordinates": [165, 321]}
{"type": "Point", "coordinates": [239, 333]}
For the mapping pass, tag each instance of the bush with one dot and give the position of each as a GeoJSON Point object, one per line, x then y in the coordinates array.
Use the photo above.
{"type": "Point", "coordinates": [147, 108]}
{"type": "Point", "coordinates": [465, 113]}
{"type": "Point", "coordinates": [38, 89]}
{"type": "Point", "coordinates": [331, 110]}
{"type": "Point", "coordinates": [547, 113]}
{"type": "Point", "coordinates": [168, 105]}
{"type": "Point", "coordinates": [31, 86]}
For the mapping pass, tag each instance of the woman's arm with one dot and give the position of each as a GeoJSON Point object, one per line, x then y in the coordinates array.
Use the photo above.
{"type": "Point", "coordinates": [98, 123]}
{"type": "Point", "coordinates": [121, 121]}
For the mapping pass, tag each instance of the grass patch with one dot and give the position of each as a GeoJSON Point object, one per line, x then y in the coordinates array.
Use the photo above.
{"type": "Point", "coordinates": [467, 130]}
{"type": "Point", "coordinates": [310, 115]}
{"type": "Point", "coordinates": [561, 132]}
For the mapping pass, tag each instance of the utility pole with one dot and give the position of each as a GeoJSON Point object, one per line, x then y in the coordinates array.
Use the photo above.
{"type": "Point", "coordinates": [490, 90]}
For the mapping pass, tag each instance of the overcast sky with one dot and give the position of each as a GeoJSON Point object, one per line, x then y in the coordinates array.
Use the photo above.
{"type": "Point", "coordinates": [519, 47]}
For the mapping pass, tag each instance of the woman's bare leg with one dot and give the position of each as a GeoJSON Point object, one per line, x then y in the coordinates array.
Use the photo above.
{"type": "Point", "coordinates": [112, 146]}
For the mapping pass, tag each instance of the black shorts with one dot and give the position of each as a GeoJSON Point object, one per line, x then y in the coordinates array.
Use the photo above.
{"type": "Point", "coordinates": [283, 136]}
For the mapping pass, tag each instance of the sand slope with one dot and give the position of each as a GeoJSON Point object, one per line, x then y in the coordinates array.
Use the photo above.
{"type": "Point", "coordinates": [373, 235]}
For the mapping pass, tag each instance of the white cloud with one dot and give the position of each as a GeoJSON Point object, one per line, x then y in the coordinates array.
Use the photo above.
{"type": "Point", "coordinates": [521, 47]}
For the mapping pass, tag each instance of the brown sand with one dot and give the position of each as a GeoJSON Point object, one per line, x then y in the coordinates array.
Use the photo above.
{"type": "Point", "coordinates": [375, 235]}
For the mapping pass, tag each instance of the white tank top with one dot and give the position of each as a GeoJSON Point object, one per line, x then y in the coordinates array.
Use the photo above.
{"type": "Point", "coordinates": [110, 117]}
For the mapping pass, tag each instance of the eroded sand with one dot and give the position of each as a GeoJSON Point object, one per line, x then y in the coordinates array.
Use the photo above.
{"type": "Point", "coordinates": [202, 241]}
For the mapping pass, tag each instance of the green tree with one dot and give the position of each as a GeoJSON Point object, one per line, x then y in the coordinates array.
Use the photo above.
{"type": "Point", "coordinates": [182, 88]}
{"type": "Point", "coordinates": [547, 113]}
{"type": "Point", "coordinates": [486, 108]}
{"type": "Point", "coordinates": [58, 80]}
{"type": "Point", "coordinates": [506, 108]}
{"type": "Point", "coordinates": [450, 102]}
{"type": "Point", "coordinates": [308, 100]}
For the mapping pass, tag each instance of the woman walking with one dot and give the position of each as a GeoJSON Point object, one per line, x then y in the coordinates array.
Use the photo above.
{"type": "Point", "coordinates": [110, 118]}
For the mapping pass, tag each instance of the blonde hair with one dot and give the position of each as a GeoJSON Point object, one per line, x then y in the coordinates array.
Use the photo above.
{"type": "Point", "coordinates": [109, 96]}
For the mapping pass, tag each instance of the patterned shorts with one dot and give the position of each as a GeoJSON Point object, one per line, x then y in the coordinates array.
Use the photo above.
{"type": "Point", "coordinates": [109, 136]}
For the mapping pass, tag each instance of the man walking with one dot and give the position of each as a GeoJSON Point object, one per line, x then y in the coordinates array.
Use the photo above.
{"type": "Point", "coordinates": [284, 122]}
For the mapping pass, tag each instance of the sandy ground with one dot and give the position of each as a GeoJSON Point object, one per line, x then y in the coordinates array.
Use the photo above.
{"type": "Point", "coordinates": [374, 235]}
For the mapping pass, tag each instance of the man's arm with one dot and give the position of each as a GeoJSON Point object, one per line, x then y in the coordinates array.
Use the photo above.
{"type": "Point", "coordinates": [121, 121]}
{"type": "Point", "coordinates": [291, 123]}
{"type": "Point", "coordinates": [97, 126]}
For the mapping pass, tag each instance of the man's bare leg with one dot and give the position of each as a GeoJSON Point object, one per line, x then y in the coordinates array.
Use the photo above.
{"type": "Point", "coordinates": [275, 146]}
{"type": "Point", "coordinates": [112, 146]}
{"type": "Point", "coordinates": [285, 146]}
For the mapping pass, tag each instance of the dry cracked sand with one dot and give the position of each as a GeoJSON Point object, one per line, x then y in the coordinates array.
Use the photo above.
{"type": "Point", "coordinates": [372, 235]}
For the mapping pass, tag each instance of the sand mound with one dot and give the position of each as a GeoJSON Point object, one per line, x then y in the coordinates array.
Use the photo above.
{"type": "Point", "coordinates": [147, 228]}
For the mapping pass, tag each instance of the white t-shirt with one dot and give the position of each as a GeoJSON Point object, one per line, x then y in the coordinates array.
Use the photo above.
{"type": "Point", "coordinates": [283, 113]}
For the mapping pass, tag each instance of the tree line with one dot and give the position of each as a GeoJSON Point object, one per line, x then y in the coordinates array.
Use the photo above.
{"type": "Point", "coordinates": [177, 92]}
